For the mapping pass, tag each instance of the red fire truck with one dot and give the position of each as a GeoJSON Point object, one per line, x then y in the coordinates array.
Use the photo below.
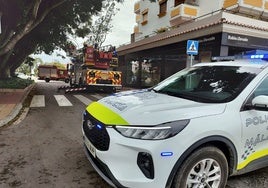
{"type": "Point", "coordinates": [52, 72]}
{"type": "Point", "coordinates": [95, 69]}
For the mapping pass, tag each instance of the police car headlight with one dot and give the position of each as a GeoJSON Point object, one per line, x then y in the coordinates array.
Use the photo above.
{"type": "Point", "coordinates": [158, 132]}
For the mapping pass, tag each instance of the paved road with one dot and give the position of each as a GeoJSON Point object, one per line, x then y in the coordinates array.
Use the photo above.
{"type": "Point", "coordinates": [45, 149]}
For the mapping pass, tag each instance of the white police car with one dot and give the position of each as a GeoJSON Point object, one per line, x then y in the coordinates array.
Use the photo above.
{"type": "Point", "coordinates": [194, 129]}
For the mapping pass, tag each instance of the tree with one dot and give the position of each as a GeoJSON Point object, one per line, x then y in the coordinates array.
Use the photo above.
{"type": "Point", "coordinates": [102, 25]}
{"type": "Point", "coordinates": [58, 64]}
{"type": "Point", "coordinates": [44, 24]}
{"type": "Point", "coordinates": [26, 66]}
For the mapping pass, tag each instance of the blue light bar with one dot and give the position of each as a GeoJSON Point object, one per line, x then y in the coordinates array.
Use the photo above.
{"type": "Point", "coordinates": [237, 57]}
{"type": "Point", "coordinates": [256, 56]}
{"type": "Point", "coordinates": [166, 154]}
{"type": "Point", "coordinates": [99, 126]}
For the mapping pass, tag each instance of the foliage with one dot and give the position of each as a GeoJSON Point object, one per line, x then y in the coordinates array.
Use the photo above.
{"type": "Point", "coordinates": [29, 66]}
{"type": "Point", "coordinates": [40, 25]}
{"type": "Point", "coordinates": [102, 24]}
{"type": "Point", "coordinates": [15, 83]}
{"type": "Point", "coordinates": [57, 64]}
{"type": "Point", "coordinates": [24, 68]}
{"type": "Point", "coordinates": [161, 30]}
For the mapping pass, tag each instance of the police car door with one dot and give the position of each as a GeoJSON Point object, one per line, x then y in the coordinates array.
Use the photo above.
{"type": "Point", "coordinates": [254, 130]}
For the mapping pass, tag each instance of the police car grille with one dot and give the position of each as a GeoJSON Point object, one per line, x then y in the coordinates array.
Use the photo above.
{"type": "Point", "coordinates": [98, 136]}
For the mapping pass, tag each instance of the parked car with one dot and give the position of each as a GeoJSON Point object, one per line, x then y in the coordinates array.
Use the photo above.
{"type": "Point", "coordinates": [194, 129]}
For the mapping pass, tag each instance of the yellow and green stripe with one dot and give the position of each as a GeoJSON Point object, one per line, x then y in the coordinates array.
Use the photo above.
{"type": "Point", "coordinates": [252, 157]}
{"type": "Point", "coordinates": [105, 114]}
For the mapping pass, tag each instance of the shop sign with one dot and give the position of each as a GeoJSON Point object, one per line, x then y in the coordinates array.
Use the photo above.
{"type": "Point", "coordinates": [231, 39]}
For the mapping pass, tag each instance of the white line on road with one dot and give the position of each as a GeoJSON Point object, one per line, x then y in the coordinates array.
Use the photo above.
{"type": "Point", "coordinates": [38, 101]}
{"type": "Point", "coordinates": [62, 100]}
{"type": "Point", "coordinates": [97, 96]}
{"type": "Point", "coordinates": [83, 99]}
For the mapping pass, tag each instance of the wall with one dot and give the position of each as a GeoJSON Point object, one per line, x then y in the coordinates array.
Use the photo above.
{"type": "Point", "coordinates": [208, 6]}
{"type": "Point", "coordinates": [154, 22]}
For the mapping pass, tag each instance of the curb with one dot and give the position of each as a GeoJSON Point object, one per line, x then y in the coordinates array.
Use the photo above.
{"type": "Point", "coordinates": [18, 107]}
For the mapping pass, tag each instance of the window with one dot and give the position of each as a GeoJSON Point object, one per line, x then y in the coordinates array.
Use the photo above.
{"type": "Point", "coordinates": [144, 17]}
{"type": "Point", "coordinates": [178, 2]}
{"type": "Point", "coordinates": [262, 89]}
{"type": "Point", "coordinates": [208, 84]}
{"type": "Point", "coordinates": [162, 8]}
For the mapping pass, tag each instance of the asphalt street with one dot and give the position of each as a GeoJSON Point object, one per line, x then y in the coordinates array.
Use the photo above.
{"type": "Point", "coordinates": [44, 149]}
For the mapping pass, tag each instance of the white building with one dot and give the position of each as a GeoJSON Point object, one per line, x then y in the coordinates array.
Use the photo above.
{"type": "Point", "coordinates": [222, 27]}
{"type": "Point", "coordinates": [162, 15]}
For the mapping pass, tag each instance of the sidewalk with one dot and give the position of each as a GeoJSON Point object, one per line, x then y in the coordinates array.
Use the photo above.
{"type": "Point", "coordinates": [11, 103]}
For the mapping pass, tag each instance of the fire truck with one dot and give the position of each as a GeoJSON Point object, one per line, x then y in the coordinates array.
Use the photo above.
{"type": "Point", "coordinates": [96, 69]}
{"type": "Point", "coordinates": [52, 72]}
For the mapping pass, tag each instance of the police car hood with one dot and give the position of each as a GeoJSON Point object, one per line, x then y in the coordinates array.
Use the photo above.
{"type": "Point", "coordinates": [150, 108]}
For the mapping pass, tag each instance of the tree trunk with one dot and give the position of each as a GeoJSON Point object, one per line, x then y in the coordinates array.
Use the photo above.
{"type": "Point", "coordinates": [4, 73]}
{"type": "Point", "coordinates": [4, 66]}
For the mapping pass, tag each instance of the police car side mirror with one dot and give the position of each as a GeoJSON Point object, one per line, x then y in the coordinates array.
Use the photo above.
{"type": "Point", "coordinates": [260, 102]}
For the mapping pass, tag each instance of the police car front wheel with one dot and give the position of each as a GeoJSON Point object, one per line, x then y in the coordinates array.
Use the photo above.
{"type": "Point", "coordinates": [205, 168]}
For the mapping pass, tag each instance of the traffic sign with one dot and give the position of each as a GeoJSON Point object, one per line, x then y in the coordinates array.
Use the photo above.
{"type": "Point", "coordinates": [192, 47]}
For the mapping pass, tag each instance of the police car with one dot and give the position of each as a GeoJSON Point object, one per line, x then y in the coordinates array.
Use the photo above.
{"type": "Point", "coordinates": [194, 129]}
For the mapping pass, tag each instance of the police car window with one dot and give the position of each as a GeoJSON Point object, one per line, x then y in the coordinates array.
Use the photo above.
{"type": "Point", "coordinates": [207, 83]}
{"type": "Point", "coordinates": [262, 89]}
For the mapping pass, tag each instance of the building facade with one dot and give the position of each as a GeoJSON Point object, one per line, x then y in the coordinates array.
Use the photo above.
{"type": "Point", "coordinates": [158, 43]}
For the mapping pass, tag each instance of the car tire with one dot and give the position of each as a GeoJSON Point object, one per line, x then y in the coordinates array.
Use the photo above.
{"type": "Point", "coordinates": [66, 80]}
{"type": "Point", "coordinates": [205, 167]}
{"type": "Point", "coordinates": [71, 82]}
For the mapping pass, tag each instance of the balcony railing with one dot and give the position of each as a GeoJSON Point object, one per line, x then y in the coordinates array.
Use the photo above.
{"type": "Point", "coordinates": [183, 13]}
{"type": "Point", "coordinates": [137, 7]}
{"type": "Point", "coordinates": [255, 8]}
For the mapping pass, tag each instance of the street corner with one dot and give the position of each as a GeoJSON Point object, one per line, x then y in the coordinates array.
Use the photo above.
{"type": "Point", "coordinates": [9, 112]}
{"type": "Point", "coordinates": [11, 103]}
{"type": "Point", "coordinates": [26, 92]}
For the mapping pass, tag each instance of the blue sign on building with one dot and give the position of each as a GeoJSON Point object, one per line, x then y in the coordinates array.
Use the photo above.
{"type": "Point", "coordinates": [192, 47]}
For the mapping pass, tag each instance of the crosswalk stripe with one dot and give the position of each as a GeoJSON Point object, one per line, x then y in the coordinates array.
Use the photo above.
{"type": "Point", "coordinates": [38, 101]}
{"type": "Point", "coordinates": [83, 99]}
{"type": "Point", "coordinates": [97, 96]}
{"type": "Point", "coordinates": [62, 100]}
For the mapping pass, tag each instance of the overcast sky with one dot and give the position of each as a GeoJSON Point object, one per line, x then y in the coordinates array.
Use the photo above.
{"type": "Point", "coordinates": [123, 24]}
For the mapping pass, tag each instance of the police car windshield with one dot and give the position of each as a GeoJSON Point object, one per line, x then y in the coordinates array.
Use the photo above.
{"type": "Point", "coordinates": [208, 84]}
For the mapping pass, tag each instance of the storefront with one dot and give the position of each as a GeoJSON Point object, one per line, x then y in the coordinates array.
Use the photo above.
{"type": "Point", "coordinates": [148, 67]}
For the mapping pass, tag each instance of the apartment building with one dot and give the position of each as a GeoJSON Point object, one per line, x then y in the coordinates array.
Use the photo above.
{"type": "Point", "coordinates": [158, 42]}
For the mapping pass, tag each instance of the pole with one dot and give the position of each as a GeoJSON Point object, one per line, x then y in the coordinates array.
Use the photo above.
{"type": "Point", "coordinates": [0, 22]}
{"type": "Point", "coordinates": [191, 62]}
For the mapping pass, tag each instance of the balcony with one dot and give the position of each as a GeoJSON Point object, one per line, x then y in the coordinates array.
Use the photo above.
{"type": "Point", "coordinates": [265, 9]}
{"type": "Point", "coordinates": [136, 29]}
{"type": "Point", "coordinates": [137, 7]}
{"type": "Point", "coordinates": [254, 8]}
{"type": "Point", "coordinates": [138, 18]}
{"type": "Point", "coordinates": [183, 13]}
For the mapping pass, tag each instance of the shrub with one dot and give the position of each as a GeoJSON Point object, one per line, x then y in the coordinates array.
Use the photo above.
{"type": "Point", "coordinates": [15, 83]}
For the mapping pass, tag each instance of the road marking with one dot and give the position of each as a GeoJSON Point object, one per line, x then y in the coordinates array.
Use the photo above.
{"type": "Point", "coordinates": [83, 99]}
{"type": "Point", "coordinates": [62, 100]}
{"type": "Point", "coordinates": [97, 96]}
{"type": "Point", "coordinates": [38, 101]}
